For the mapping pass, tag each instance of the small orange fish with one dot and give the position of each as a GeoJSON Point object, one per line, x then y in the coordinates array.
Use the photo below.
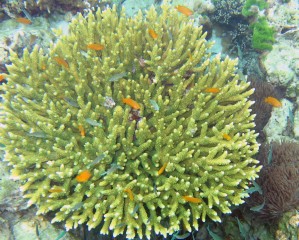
{"type": "Point", "coordinates": [192, 199]}
{"type": "Point", "coordinates": [95, 46]}
{"type": "Point", "coordinates": [62, 62]}
{"type": "Point", "coordinates": [23, 20]}
{"type": "Point", "coordinates": [226, 136]}
{"type": "Point", "coordinates": [82, 130]}
{"type": "Point", "coordinates": [1, 77]}
{"type": "Point", "coordinates": [212, 90]}
{"type": "Point", "coordinates": [56, 190]}
{"type": "Point", "coordinates": [43, 67]}
{"type": "Point", "coordinates": [184, 10]}
{"type": "Point", "coordinates": [131, 103]}
{"type": "Point", "coordinates": [130, 193]}
{"type": "Point", "coordinates": [83, 176]}
{"type": "Point", "coordinates": [152, 33]}
{"type": "Point", "coordinates": [273, 101]}
{"type": "Point", "coordinates": [190, 56]}
{"type": "Point", "coordinates": [161, 170]}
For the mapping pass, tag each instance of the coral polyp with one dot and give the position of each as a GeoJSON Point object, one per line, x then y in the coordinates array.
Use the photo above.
{"type": "Point", "coordinates": [126, 135]}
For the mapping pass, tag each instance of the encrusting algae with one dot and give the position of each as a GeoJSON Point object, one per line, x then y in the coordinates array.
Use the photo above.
{"type": "Point", "coordinates": [127, 130]}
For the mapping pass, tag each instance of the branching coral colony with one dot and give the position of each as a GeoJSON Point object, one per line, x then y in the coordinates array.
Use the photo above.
{"type": "Point", "coordinates": [129, 122]}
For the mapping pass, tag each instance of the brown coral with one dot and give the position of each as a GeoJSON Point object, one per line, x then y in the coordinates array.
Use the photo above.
{"type": "Point", "coordinates": [279, 179]}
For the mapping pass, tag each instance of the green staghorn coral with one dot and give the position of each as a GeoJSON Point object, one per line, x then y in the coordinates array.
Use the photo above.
{"type": "Point", "coordinates": [64, 114]}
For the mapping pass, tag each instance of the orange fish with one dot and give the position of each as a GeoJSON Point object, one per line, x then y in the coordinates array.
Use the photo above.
{"type": "Point", "coordinates": [83, 176]}
{"type": "Point", "coordinates": [152, 33]}
{"type": "Point", "coordinates": [226, 136]}
{"type": "Point", "coordinates": [192, 199]}
{"type": "Point", "coordinates": [190, 56]}
{"type": "Point", "coordinates": [130, 193]}
{"type": "Point", "coordinates": [131, 103]}
{"type": "Point", "coordinates": [56, 190]}
{"type": "Point", "coordinates": [1, 77]}
{"type": "Point", "coordinates": [62, 62]}
{"type": "Point", "coordinates": [23, 20]}
{"type": "Point", "coordinates": [161, 170]}
{"type": "Point", "coordinates": [212, 90]}
{"type": "Point", "coordinates": [186, 11]}
{"type": "Point", "coordinates": [95, 46]}
{"type": "Point", "coordinates": [82, 131]}
{"type": "Point", "coordinates": [273, 101]}
{"type": "Point", "coordinates": [44, 67]}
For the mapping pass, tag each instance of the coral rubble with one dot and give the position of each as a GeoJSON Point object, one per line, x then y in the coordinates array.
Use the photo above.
{"type": "Point", "coordinates": [128, 123]}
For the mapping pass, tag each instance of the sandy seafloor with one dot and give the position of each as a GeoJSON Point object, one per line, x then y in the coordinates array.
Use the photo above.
{"type": "Point", "coordinates": [229, 29]}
